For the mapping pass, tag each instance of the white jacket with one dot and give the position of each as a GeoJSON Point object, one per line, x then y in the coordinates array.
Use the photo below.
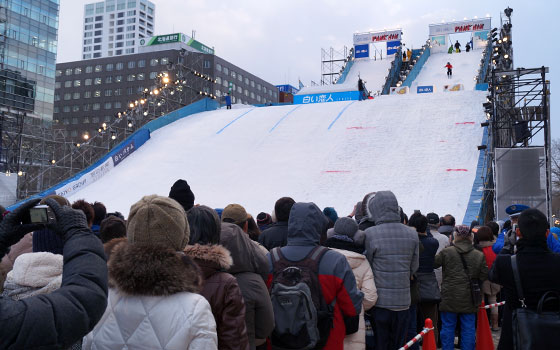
{"type": "Point", "coordinates": [153, 303]}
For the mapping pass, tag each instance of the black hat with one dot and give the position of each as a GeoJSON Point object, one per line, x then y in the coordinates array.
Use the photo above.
{"type": "Point", "coordinates": [181, 192]}
{"type": "Point", "coordinates": [433, 218]}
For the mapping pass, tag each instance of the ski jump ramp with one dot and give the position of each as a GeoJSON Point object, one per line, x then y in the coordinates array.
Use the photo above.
{"type": "Point", "coordinates": [422, 147]}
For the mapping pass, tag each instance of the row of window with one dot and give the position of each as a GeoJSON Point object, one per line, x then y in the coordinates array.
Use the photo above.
{"type": "Point", "coordinates": [239, 77]}
{"type": "Point", "coordinates": [259, 99]}
{"type": "Point", "coordinates": [88, 107]}
{"type": "Point", "coordinates": [85, 120]}
{"type": "Point", "coordinates": [239, 89]}
{"type": "Point", "coordinates": [98, 93]}
{"type": "Point", "coordinates": [109, 6]}
{"type": "Point", "coordinates": [113, 66]}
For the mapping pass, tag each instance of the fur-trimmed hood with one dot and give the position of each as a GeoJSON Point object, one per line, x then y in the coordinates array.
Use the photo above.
{"type": "Point", "coordinates": [142, 269]}
{"type": "Point", "coordinates": [210, 258]}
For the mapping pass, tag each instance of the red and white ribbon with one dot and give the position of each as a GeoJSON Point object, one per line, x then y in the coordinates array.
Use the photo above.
{"type": "Point", "coordinates": [416, 338]}
{"type": "Point", "coordinates": [493, 305]}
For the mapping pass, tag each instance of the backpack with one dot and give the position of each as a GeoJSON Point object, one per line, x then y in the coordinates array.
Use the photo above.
{"type": "Point", "coordinates": [303, 320]}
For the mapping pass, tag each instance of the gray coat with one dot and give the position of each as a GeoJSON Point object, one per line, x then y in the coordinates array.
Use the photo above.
{"type": "Point", "coordinates": [392, 250]}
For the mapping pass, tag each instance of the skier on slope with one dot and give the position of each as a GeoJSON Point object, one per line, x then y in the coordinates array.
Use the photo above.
{"type": "Point", "coordinates": [449, 70]}
{"type": "Point", "coordinates": [457, 46]}
{"type": "Point", "coordinates": [468, 46]}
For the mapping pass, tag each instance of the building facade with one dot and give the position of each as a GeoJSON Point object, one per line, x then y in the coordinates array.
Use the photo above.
{"type": "Point", "coordinates": [115, 27]}
{"type": "Point", "coordinates": [92, 92]}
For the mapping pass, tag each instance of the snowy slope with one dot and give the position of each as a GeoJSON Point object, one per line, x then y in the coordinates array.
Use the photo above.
{"type": "Point", "coordinates": [373, 72]}
{"type": "Point", "coordinates": [422, 147]}
{"type": "Point", "coordinates": [465, 65]}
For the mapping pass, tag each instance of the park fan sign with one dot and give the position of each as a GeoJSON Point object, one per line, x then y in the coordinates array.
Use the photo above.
{"type": "Point", "coordinates": [473, 25]}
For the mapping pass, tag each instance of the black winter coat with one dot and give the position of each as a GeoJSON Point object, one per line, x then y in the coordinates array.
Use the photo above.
{"type": "Point", "coordinates": [538, 268]}
{"type": "Point", "coordinates": [61, 318]}
{"type": "Point", "coordinates": [275, 236]}
{"type": "Point", "coordinates": [344, 245]}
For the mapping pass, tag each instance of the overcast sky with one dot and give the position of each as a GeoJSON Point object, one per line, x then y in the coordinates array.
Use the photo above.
{"type": "Point", "coordinates": [281, 41]}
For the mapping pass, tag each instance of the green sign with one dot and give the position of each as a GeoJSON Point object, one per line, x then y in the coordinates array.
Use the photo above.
{"type": "Point", "coordinates": [163, 39]}
{"type": "Point", "coordinates": [197, 45]}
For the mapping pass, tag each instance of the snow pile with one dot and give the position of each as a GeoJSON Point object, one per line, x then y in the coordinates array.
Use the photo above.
{"type": "Point", "coordinates": [374, 73]}
{"type": "Point", "coordinates": [422, 147]}
{"type": "Point", "coordinates": [465, 66]}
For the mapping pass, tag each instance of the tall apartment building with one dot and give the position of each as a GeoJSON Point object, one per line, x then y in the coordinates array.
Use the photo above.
{"type": "Point", "coordinates": [115, 27]}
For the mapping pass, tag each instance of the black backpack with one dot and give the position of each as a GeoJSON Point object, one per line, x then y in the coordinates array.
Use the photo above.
{"type": "Point", "coordinates": [303, 320]}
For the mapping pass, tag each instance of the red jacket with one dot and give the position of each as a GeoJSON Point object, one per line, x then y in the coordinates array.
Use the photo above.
{"type": "Point", "coordinates": [489, 255]}
{"type": "Point", "coordinates": [448, 66]}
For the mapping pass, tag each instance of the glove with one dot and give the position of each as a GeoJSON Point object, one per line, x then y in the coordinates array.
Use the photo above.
{"type": "Point", "coordinates": [12, 229]}
{"type": "Point", "coordinates": [510, 240]}
{"type": "Point", "coordinates": [67, 219]}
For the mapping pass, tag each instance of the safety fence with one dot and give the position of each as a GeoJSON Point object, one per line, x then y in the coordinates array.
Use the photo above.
{"type": "Point", "coordinates": [427, 334]}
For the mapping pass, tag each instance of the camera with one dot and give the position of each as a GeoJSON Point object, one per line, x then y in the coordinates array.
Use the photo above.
{"type": "Point", "coordinates": [40, 214]}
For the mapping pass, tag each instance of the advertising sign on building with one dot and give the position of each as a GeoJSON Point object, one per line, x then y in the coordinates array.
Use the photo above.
{"type": "Point", "coordinates": [377, 37]}
{"type": "Point", "coordinates": [473, 25]}
{"type": "Point", "coordinates": [393, 47]}
{"type": "Point", "coordinates": [327, 97]}
{"type": "Point", "coordinates": [289, 89]}
{"type": "Point", "coordinates": [402, 90]}
{"type": "Point", "coordinates": [425, 89]}
{"type": "Point", "coordinates": [361, 51]}
{"type": "Point", "coordinates": [176, 38]}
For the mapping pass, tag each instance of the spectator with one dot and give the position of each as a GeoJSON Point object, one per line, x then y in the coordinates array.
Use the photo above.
{"type": "Point", "coordinates": [249, 267]}
{"type": "Point", "coordinates": [344, 232]}
{"type": "Point", "coordinates": [367, 220]}
{"type": "Point", "coordinates": [456, 295]}
{"type": "Point", "coordinates": [112, 227]}
{"type": "Point", "coordinates": [181, 192]}
{"type": "Point", "coordinates": [457, 46]}
{"type": "Point", "coordinates": [538, 269]}
{"type": "Point", "coordinates": [86, 208]}
{"type": "Point", "coordinates": [331, 214]}
{"type": "Point", "coordinates": [252, 228]}
{"type": "Point", "coordinates": [228, 101]}
{"type": "Point", "coordinates": [150, 273]}
{"type": "Point", "coordinates": [99, 214]}
{"type": "Point", "coordinates": [552, 240]}
{"type": "Point", "coordinates": [392, 250]}
{"type": "Point", "coordinates": [507, 233]}
{"type": "Point", "coordinates": [495, 227]}
{"type": "Point", "coordinates": [2, 211]}
{"type": "Point", "coordinates": [220, 288]}
{"type": "Point", "coordinates": [264, 220]}
{"type": "Point", "coordinates": [447, 225]}
{"type": "Point", "coordinates": [443, 240]}
{"type": "Point", "coordinates": [427, 283]}
{"type": "Point", "coordinates": [61, 318]}
{"type": "Point", "coordinates": [276, 235]}
{"type": "Point", "coordinates": [483, 240]}
{"type": "Point", "coordinates": [468, 47]}
{"type": "Point", "coordinates": [306, 223]}
{"type": "Point", "coordinates": [117, 214]}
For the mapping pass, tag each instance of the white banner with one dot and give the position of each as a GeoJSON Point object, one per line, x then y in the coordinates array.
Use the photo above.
{"type": "Point", "coordinates": [377, 37]}
{"type": "Point", "coordinates": [87, 179]}
{"type": "Point", "coordinates": [473, 25]}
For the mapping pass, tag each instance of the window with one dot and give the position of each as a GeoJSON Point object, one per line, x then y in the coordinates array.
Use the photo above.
{"type": "Point", "coordinates": [88, 34]}
{"type": "Point", "coordinates": [141, 63]}
{"type": "Point", "coordinates": [129, 90]}
{"type": "Point", "coordinates": [89, 20]}
{"type": "Point", "coordinates": [259, 87]}
{"type": "Point", "coordinates": [98, 25]}
{"type": "Point", "coordinates": [68, 71]}
{"type": "Point", "coordinates": [131, 64]}
{"type": "Point", "coordinates": [109, 67]}
{"type": "Point", "coordinates": [218, 80]}
{"type": "Point", "coordinates": [246, 81]}
{"type": "Point", "coordinates": [77, 83]}
{"type": "Point", "coordinates": [240, 90]}
{"type": "Point", "coordinates": [218, 67]}
{"type": "Point", "coordinates": [58, 73]}
{"type": "Point", "coordinates": [67, 96]}
{"type": "Point", "coordinates": [75, 108]}
{"type": "Point", "coordinates": [120, 66]}
{"type": "Point", "coordinates": [129, 28]}
{"type": "Point", "coordinates": [88, 42]}
{"type": "Point", "coordinates": [96, 106]}
{"type": "Point", "coordinates": [97, 93]}
{"type": "Point", "coordinates": [98, 68]}
{"type": "Point", "coordinates": [87, 82]}
{"type": "Point", "coordinates": [240, 77]}
{"type": "Point", "coordinates": [130, 20]}
{"type": "Point", "coordinates": [108, 79]}
{"type": "Point", "coordinates": [118, 78]}
{"type": "Point", "coordinates": [225, 83]}
{"type": "Point", "coordinates": [264, 89]}
{"type": "Point", "coordinates": [56, 97]}
{"type": "Point", "coordinates": [206, 64]}
{"type": "Point", "coordinates": [153, 75]}
{"type": "Point", "coordinates": [76, 96]}
{"type": "Point", "coordinates": [120, 29]}
{"type": "Point", "coordinates": [108, 105]}
{"type": "Point", "coordinates": [218, 93]}
{"type": "Point", "coordinates": [233, 74]}
{"type": "Point", "coordinates": [86, 107]}
{"type": "Point", "coordinates": [130, 43]}
{"type": "Point", "coordinates": [87, 94]}
{"type": "Point", "coordinates": [85, 120]}
{"type": "Point", "coordinates": [97, 32]}
{"type": "Point", "coordinates": [120, 22]}
{"type": "Point", "coordinates": [88, 27]}
{"type": "Point", "coordinates": [258, 98]}
{"type": "Point", "coordinates": [131, 77]}
{"type": "Point", "coordinates": [87, 49]}
{"type": "Point", "coordinates": [131, 13]}
{"type": "Point", "coordinates": [141, 76]}
{"type": "Point", "coordinates": [95, 120]}
{"type": "Point", "coordinates": [164, 61]}
{"type": "Point", "coordinates": [57, 85]}
{"type": "Point", "coordinates": [66, 109]}
{"type": "Point", "coordinates": [246, 92]}
{"type": "Point", "coordinates": [68, 83]}
{"type": "Point", "coordinates": [74, 133]}
{"type": "Point", "coordinates": [97, 41]}
{"type": "Point", "coordinates": [118, 92]}
{"type": "Point", "coordinates": [252, 95]}
{"type": "Point", "coordinates": [97, 81]}
{"type": "Point", "coordinates": [226, 71]}
{"type": "Point", "coordinates": [108, 92]}
{"type": "Point", "coordinates": [120, 14]}
{"type": "Point", "coordinates": [118, 104]}
{"type": "Point", "coordinates": [154, 62]}
{"type": "Point", "coordinates": [98, 18]}
{"type": "Point", "coordinates": [130, 35]}
{"type": "Point", "coordinates": [78, 70]}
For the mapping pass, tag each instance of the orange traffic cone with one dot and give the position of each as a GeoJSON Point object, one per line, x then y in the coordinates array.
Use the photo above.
{"type": "Point", "coordinates": [484, 339]}
{"type": "Point", "coordinates": [429, 341]}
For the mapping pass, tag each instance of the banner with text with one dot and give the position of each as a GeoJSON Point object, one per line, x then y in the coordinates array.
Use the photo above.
{"type": "Point", "coordinates": [326, 97]}
{"type": "Point", "coordinates": [393, 47]}
{"type": "Point", "coordinates": [377, 37]}
{"type": "Point", "coordinates": [472, 25]}
{"type": "Point", "coordinates": [86, 179]}
{"type": "Point", "coordinates": [361, 51]}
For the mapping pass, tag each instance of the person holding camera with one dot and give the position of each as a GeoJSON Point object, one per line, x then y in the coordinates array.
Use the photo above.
{"type": "Point", "coordinates": [59, 319]}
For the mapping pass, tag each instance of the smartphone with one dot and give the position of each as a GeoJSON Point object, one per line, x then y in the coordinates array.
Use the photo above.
{"type": "Point", "coordinates": [39, 214]}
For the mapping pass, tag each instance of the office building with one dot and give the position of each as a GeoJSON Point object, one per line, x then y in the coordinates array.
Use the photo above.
{"type": "Point", "coordinates": [115, 27]}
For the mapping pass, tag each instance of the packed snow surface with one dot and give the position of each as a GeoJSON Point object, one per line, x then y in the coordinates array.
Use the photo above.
{"type": "Point", "coordinates": [373, 72]}
{"type": "Point", "coordinates": [465, 66]}
{"type": "Point", "coordinates": [422, 147]}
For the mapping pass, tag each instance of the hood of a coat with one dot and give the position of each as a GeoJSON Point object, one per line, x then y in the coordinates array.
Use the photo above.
{"type": "Point", "coordinates": [384, 208]}
{"type": "Point", "coordinates": [148, 269]}
{"type": "Point", "coordinates": [210, 258]}
{"type": "Point", "coordinates": [445, 230]}
{"type": "Point", "coordinates": [242, 250]}
{"type": "Point", "coordinates": [463, 246]}
{"type": "Point", "coordinates": [306, 224]}
{"type": "Point", "coordinates": [33, 274]}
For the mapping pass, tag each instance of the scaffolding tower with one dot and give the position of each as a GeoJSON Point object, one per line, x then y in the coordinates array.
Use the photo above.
{"type": "Point", "coordinates": [332, 64]}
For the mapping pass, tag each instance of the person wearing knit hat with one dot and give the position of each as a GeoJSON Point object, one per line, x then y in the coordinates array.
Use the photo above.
{"type": "Point", "coordinates": [181, 192]}
{"type": "Point", "coordinates": [264, 220]}
{"type": "Point", "coordinates": [331, 214]}
{"type": "Point", "coordinates": [344, 232]}
{"type": "Point", "coordinates": [112, 227]}
{"type": "Point", "coordinates": [160, 220]}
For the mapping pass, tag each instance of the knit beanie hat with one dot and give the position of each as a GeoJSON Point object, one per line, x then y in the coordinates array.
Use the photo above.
{"type": "Point", "coordinates": [264, 219]}
{"type": "Point", "coordinates": [331, 214]}
{"type": "Point", "coordinates": [157, 219]}
{"type": "Point", "coordinates": [112, 227]}
{"type": "Point", "coordinates": [462, 231]}
{"type": "Point", "coordinates": [346, 226]}
{"type": "Point", "coordinates": [181, 192]}
{"type": "Point", "coordinates": [48, 241]}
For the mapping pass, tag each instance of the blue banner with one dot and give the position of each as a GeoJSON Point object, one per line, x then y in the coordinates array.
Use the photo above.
{"type": "Point", "coordinates": [126, 149]}
{"type": "Point", "coordinates": [326, 97]}
{"type": "Point", "coordinates": [393, 47]}
{"type": "Point", "coordinates": [287, 88]}
{"type": "Point", "coordinates": [361, 51]}
{"type": "Point", "coordinates": [425, 89]}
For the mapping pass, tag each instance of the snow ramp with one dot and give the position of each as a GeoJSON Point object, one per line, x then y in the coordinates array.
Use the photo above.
{"type": "Point", "coordinates": [422, 147]}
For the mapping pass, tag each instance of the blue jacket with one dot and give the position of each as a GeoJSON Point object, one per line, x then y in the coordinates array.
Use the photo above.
{"type": "Point", "coordinates": [228, 100]}
{"type": "Point", "coordinates": [499, 245]}
{"type": "Point", "coordinates": [553, 243]}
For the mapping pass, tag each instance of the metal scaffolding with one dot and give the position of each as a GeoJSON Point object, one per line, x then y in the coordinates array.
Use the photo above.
{"type": "Point", "coordinates": [333, 63]}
